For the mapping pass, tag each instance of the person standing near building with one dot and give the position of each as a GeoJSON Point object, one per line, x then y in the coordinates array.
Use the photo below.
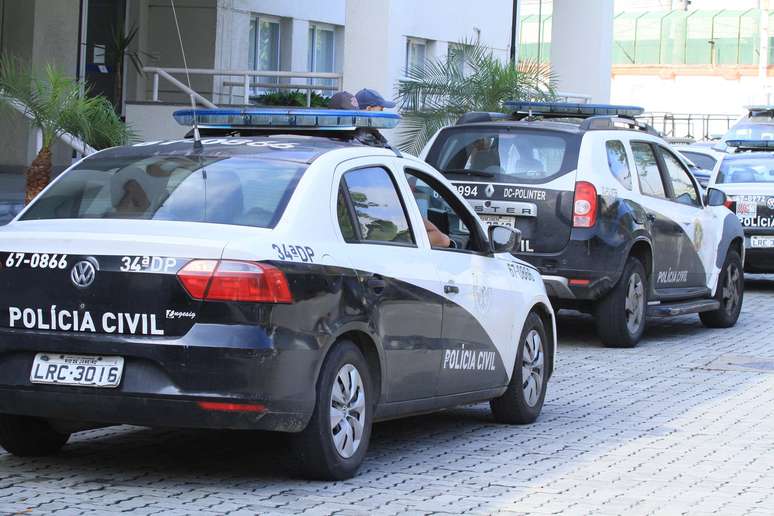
{"type": "Point", "coordinates": [371, 100]}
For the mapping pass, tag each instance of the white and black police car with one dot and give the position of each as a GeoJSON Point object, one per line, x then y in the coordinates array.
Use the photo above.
{"type": "Point", "coordinates": [607, 211]}
{"type": "Point", "coordinates": [276, 274]}
{"type": "Point", "coordinates": [747, 177]}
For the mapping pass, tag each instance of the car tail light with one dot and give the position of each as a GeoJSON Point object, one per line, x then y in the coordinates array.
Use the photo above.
{"type": "Point", "coordinates": [730, 204]}
{"type": "Point", "coordinates": [228, 280]}
{"type": "Point", "coordinates": [584, 209]}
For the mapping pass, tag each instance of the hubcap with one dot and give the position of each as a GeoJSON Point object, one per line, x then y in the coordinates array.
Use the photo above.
{"type": "Point", "coordinates": [635, 304]}
{"type": "Point", "coordinates": [731, 289]}
{"type": "Point", "coordinates": [348, 405]}
{"type": "Point", "coordinates": [532, 368]}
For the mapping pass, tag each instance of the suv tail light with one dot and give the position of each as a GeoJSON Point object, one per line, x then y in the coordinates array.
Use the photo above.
{"type": "Point", "coordinates": [228, 280]}
{"type": "Point", "coordinates": [584, 209]}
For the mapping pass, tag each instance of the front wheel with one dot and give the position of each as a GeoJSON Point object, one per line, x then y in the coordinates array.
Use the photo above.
{"type": "Point", "coordinates": [620, 316]}
{"type": "Point", "coordinates": [27, 436]}
{"type": "Point", "coordinates": [333, 445]}
{"type": "Point", "coordinates": [730, 293]}
{"type": "Point", "coordinates": [522, 402]}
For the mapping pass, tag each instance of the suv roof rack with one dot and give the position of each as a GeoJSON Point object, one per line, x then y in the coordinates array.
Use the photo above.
{"type": "Point", "coordinates": [362, 126]}
{"type": "Point", "coordinates": [602, 123]}
{"type": "Point", "coordinates": [569, 110]}
{"type": "Point", "coordinates": [751, 145]}
{"type": "Point", "coordinates": [481, 116]}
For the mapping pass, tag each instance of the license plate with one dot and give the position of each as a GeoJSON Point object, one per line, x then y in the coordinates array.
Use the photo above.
{"type": "Point", "coordinates": [764, 242]}
{"type": "Point", "coordinates": [82, 370]}
{"type": "Point", "coordinates": [499, 220]}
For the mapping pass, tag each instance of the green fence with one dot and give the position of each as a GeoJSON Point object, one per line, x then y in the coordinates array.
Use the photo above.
{"type": "Point", "coordinates": [699, 37]}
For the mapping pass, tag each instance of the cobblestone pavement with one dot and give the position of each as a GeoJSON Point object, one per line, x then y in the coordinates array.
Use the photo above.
{"type": "Point", "coordinates": [657, 429]}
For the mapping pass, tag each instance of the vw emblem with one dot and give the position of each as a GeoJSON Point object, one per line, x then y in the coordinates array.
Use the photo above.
{"type": "Point", "coordinates": [83, 273]}
{"type": "Point", "coordinates": [770, 203]}
{"type": "Point", "coordinates": [489, 190]}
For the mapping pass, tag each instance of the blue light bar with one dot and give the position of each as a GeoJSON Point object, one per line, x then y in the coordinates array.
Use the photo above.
{"type": "Point", "coordinates": [572, 109]}
{"type": "Point", "coordinates": [291, 119]}
{"type": "Point", "coordinates": [751, 144]}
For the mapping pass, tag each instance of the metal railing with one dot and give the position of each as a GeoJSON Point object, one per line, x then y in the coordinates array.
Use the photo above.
{"type": "Point", "coordinates": [695, 126]}
{"type": "Point", "coordinates": [249, 81]}
{"type": "Point", "coordinates": [580, 98]}
{"type": "Point", "coordinates": [75, 143]}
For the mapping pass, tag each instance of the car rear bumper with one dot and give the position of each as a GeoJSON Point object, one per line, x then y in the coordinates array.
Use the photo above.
{"type": "Point", "coordinates": [759, 260]}
{"type": "Point", "coordinates": [217, 376]}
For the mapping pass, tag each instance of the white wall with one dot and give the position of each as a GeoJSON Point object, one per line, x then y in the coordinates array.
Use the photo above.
{"type": "Point", "coordinates": [153, 121]}
{"type": "Point", "coordinates": [581, 47]}
{"type": "Point", "coordinates": [687, 94]}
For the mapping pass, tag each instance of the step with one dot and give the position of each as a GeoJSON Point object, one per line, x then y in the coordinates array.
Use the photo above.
{"type": "Point", "coordinates": [683, 308]}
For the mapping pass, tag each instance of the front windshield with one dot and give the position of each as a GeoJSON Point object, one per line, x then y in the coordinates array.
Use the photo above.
{"type": "Point", "coordinates": [525, 156]}
{"type": "Point", "coordinates": [746, 170]}
{"type": "Point", "coordinates": [237, 190]}
{"type": "Point", "coordinates": [750, 131]}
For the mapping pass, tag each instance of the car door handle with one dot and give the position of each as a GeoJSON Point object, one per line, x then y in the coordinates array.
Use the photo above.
{"type": "Point", "coordinates": [451, 289]}
{"type": "Point", "coordinates": [650, 217]}
{"type": "Point", "coordinates": [376, 284]}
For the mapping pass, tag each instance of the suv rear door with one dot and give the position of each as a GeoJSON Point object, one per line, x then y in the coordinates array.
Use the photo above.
{"type": "Point", "coordinates": [515, 175]}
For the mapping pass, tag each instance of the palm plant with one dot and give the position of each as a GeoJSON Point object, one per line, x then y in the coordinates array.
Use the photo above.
{"type": "Point", "coordinates": [118, 49]}
{"type": "Point", "coordinates": [437, 92]}
{"type": "Point", "coordinates": [55, 105]}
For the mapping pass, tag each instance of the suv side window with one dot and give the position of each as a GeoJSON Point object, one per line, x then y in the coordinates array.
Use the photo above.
{"type": "Point", "coordinates": [651, 182]}
{"type": "Point", "coordinates": [368, 197]}
{"type": "Point", "coordinates": [618, 162]}
{"type": "Point", "coordinates": [683, 190]}
{"type": "Point", "coordinates": [441, 209]}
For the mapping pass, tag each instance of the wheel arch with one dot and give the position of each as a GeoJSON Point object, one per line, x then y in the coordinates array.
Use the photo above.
{"type": "Point", "coordinates": [642, 249]}
{"type": "Point", "coordinates": [547, 316]}
{"type": "Point", "coordinates": [372, 353]}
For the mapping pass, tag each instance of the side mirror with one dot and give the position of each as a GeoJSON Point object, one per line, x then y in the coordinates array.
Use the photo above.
{"type": "Point", "coordinates": [503, 239]}
{"type": "Point", "coordinates": [717, 197]}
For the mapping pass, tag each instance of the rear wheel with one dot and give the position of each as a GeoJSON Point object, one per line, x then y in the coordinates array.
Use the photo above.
{"type": "Point", "coordinates": [730, 293]}
{"type": "Point", "coordinates": [333, 445]}
{"type": "Point", "coordinates": [30, 436]}
{"type": "Point", "coordinates": [522, 402]}
{"type": "Point", "coordinates": [620, 316]}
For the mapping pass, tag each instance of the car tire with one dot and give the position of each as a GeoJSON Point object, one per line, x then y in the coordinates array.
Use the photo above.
{"type": "Point", "coordinates": [621, 314]}
{"type": "Point", "coordinates": [328, 451]}
{"type": "Point", "coordinates": [522, 402]}
{"type": "Point", "coordinates": [730, 293]}
{"type": "Point", "coordinates": [26, 436]}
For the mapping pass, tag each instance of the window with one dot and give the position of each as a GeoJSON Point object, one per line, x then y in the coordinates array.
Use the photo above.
{"type": "Point", "coordinates": [519, 156]}
{"type": "Point", "coordinates": [264, 51]}
{"type": "Point", "coordinates": [647, 170]}
{"type": "Point", "coordinates": [456, 57]}
{"type": "Point", "coordinates": [376, 207]}
{"type": "Point", "coordinates": [619, 163]}
{"type": "Point", "coordinates": [700, 160]}
{"type": "Point", "coordinates": [437, 206]}
{"type": "Point", "coordinates": [683, 190]}
{"type": "Point", "coordinates": [746, 168]}
{"type": "Point", "coordinates": [416, 53]}
{"type": "Point", "coordinates": [322, 49]}
{"type": "Point", "coordinates": [241, 191]}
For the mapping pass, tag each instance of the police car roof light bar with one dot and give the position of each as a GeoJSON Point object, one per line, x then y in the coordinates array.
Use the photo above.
{"type": "Point", "coordinates": [761, 145]}
{"type": "Point", "coordinates": [762, 111]}
{"type": "Point", "coordinates": [571, 109]}
{"type": "Point", "coordinates": [289, 120]}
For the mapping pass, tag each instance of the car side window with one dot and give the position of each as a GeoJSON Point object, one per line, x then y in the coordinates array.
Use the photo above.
{"type": "Point", "coordinates": [619, 163]}
{"type": "Point", "coordinates": [448, 225]}
{"type": "Point", "coordinates": [683, 190]}
{"type": "Point", "coordinates": [370, 210]}
{"type": "Point", "coordinates": [700, 160]}
{"type": "Point", "coordinates": [651, 182]}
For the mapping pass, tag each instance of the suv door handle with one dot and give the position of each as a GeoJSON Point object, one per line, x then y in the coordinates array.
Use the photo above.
{"type": "Point", "coordinates": [650, 217]}
{"type": "Point", "coordinates": [451, 289]}
{"type": "Point", "coordinates": [377, 284]}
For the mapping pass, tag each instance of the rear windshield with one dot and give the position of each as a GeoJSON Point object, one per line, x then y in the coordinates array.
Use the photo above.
{"type": "Point", "coordinates": [747, 170]}
{"type": "Point", "coordinates": [750, 131]}
{"type": "Point", "coordinates": [241, 191]}
{"type": "Point", "coordinates": [505, 154]}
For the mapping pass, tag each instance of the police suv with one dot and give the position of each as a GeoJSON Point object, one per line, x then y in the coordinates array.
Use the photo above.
{"type": "Point", "coordinates": [607, 211]}
{"type": "Point", "coordinates": [747, 177]}
{"type": "Point", "coordinates": [278, 275]}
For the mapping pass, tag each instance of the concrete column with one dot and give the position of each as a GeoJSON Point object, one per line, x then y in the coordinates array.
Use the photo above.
{"type": "Point", "coordinates": [367, 62]}
{"type": "Point", "coordinates": [581, 47]}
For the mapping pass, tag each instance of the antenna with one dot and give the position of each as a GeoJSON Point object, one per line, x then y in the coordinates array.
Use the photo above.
{"type": "Point", "coordinates": [196, 135]}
